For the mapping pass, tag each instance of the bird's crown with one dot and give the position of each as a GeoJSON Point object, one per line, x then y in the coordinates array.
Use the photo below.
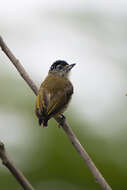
{"type": "Point", "coordinates": [59, 64]}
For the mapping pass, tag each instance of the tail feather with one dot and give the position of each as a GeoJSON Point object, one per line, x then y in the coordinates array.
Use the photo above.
{"type": "Point", "coordinates": [44, 122]}
{"type": "Point", "coordinates": [40, 121]}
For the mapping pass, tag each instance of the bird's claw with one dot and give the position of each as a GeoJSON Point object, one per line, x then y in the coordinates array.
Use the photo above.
{"type": "Point", "coordinates": [62, 119]}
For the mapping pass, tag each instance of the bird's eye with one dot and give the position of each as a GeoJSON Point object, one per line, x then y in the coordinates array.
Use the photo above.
{"type": "Point", "coordinates": [59, 67]}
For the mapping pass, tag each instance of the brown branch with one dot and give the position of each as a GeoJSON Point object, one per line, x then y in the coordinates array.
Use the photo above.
{"type": "Point", "coordinates": [18, 66]}
{"type": "Point", "coordinates": [96, 173]}
{"type": "Point", "coordinates": [15, 171]}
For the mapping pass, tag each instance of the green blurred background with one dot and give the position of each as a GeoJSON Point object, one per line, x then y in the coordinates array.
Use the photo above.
{"type": "Point", "coordinates": [93, 35]}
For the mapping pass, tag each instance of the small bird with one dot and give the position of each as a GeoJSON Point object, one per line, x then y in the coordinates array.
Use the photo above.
{"type": "Point", "coordinates": [55, 92]}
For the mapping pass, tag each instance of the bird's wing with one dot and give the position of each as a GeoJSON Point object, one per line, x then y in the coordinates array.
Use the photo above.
{"type": "Point", "coordinates": [53, 97]}
{"type": "Point", "coordinates": [58, 101]}
{"type": "Point", "coordinates": [42, 102]}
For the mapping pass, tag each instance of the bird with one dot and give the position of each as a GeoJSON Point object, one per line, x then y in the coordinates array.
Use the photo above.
{"type": "Point", "coordinates": [55, 93]}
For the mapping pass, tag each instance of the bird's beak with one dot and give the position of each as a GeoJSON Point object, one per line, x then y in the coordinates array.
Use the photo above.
{"type": "Point", "coordinates": [69, 67]}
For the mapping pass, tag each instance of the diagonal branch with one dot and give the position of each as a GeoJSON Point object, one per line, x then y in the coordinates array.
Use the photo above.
{"type": "Point", "coordinates": [96, 173]}
{"type": "Point", "coordinates": [15, 171]}
{"type": "Point", "coordinates": [18, 66]}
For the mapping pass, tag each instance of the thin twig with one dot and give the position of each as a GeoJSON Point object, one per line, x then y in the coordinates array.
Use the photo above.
{"type": "Point", "coordinates": [96, 173]}
{"type": "Point", "coordinates": [15, 171]}
{"type": "Point", "coordinates": [18, 66]}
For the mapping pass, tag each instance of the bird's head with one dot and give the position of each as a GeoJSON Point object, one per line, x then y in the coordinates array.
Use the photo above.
{"type": "Point", "coordinates": [61, 68]}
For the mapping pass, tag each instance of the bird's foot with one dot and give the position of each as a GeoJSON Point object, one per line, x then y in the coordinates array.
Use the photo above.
{"type": "Point", "coordinates": [62, 119]}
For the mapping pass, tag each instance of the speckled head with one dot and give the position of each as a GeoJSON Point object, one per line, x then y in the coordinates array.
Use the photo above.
{"type": "Point", "coordinates": [61, 68]}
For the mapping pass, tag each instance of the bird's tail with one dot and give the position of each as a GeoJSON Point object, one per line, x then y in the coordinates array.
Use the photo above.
{"type": "Point", "coordinates": [44, 122]}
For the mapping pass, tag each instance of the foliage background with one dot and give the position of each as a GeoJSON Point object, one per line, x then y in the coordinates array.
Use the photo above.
{"type": "Point", "coordinates": [92, 34]}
